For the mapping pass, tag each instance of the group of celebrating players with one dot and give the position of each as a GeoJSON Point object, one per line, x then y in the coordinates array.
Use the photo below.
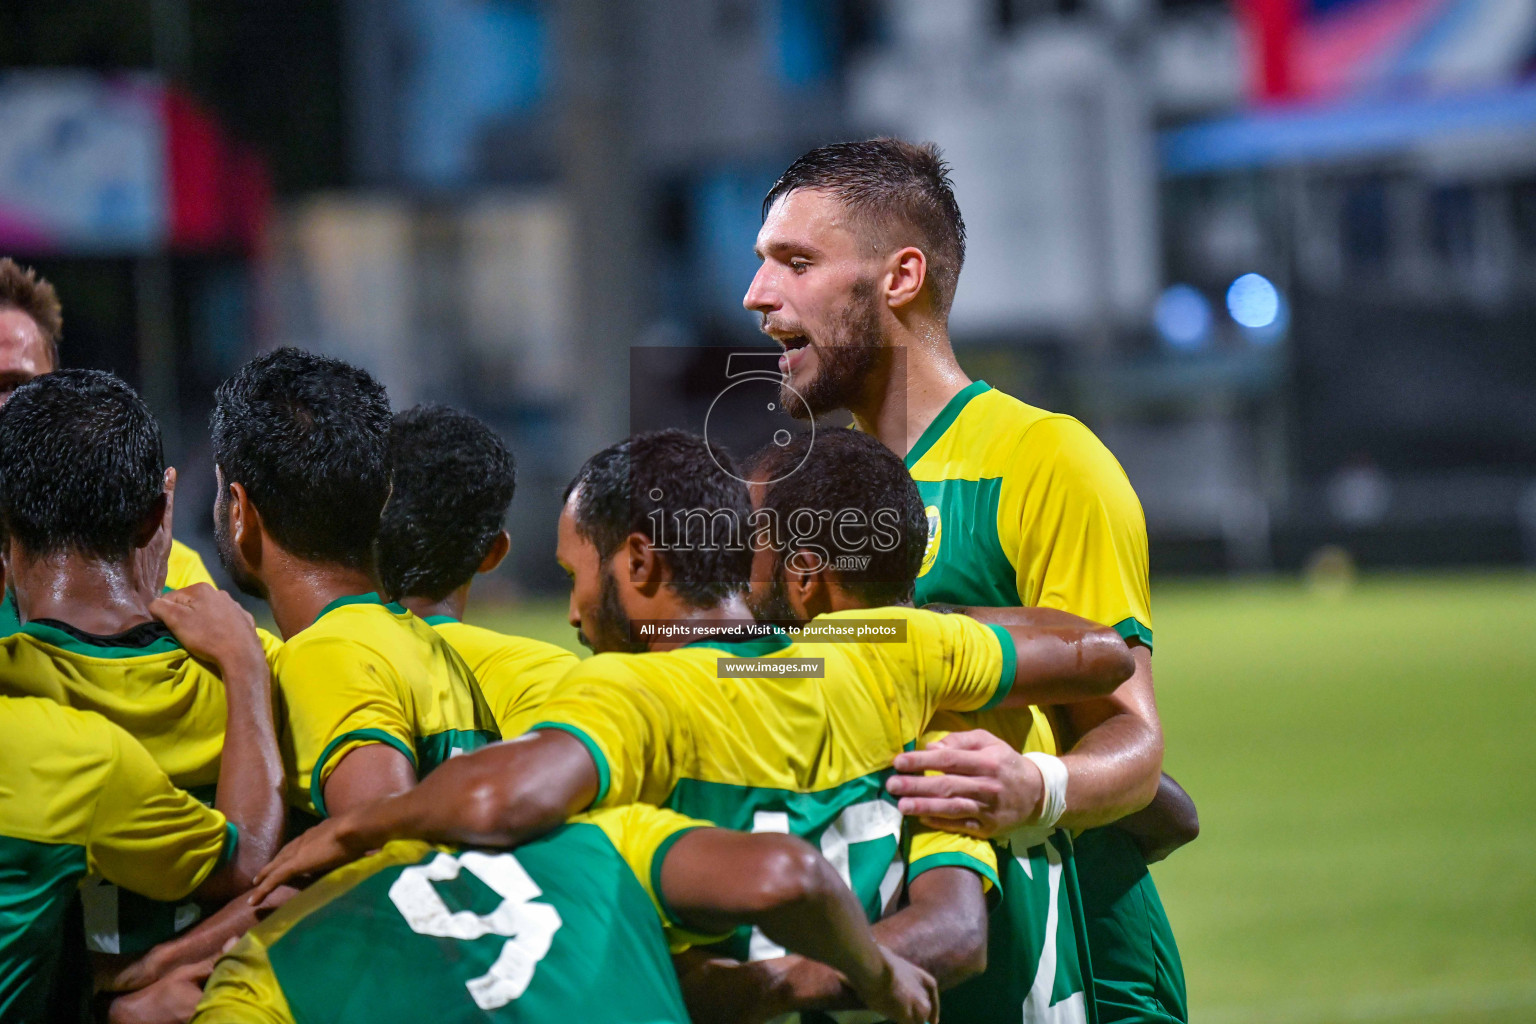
{"type": "Point", "coordinates": [384, 813]}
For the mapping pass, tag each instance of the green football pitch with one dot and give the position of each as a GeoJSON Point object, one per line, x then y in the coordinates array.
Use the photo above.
{"type": "Point", "coordinates": [1365, 767]}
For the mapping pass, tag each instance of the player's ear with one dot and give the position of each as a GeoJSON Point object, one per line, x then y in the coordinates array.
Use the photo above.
{"type": "Point", "coordinates": [806, 584]}
{"type": "Point", "coordinates": [244, 522]}
{"type": "Point", "coordinates": [159, 515]}
{"type": "Point", "coordinates": [643, 565]}
{"type": "Point", "coordinates": [167, 509]}
{"type": "Point", "coordinates": [500, 545]}
{"type": "Point", "coordinates": [906, 273]}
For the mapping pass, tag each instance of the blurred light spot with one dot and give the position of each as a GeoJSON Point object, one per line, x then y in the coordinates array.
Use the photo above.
{"type": "Point", "coordinates": [1183, 317]}
{"type": "Point", "coordinates": [1274, 330]}
{"type": "Point", "coordinates": [1253, 301]}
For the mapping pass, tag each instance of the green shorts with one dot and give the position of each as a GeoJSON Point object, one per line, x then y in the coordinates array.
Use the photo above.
{"type": "Point", "coordinates": [1137, 974]}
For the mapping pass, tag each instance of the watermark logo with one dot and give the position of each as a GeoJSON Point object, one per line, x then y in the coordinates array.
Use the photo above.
{"type": "Point", "coordinates": [745, 402]}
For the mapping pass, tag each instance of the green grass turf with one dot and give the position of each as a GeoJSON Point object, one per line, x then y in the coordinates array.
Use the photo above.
{"type": "Point", "coordinates": [1366, 775]}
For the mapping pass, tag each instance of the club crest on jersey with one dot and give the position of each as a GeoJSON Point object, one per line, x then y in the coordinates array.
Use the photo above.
{"type": "Point", "coordinates": [935, 536]}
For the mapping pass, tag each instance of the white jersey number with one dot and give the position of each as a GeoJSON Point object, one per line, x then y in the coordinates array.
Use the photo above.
{"type": "Point", "coordinates": [529, 927]}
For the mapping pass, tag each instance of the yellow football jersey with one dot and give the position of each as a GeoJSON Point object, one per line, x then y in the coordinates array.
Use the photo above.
{"type": "Point", "coordinates": [515, 673]}
{"type": "Point", "coordinates": [142, 680]}
{"type": "Point", "coordinates": [652, 721]}
{"type": "Point", "coordinates": [581, 934]}
{"type": "Point", "coordinates": [1027, 507]}
{"type": "Point", "coordinates": [369, 672]}
{"type": "Point", "coordinates": [185, 567]}
{"type": "Point", "coordinates": [174, 705]}
{"type": "Point", "coordinates": [791, 753]}
{"type": "Point", "coordinates": [79, 795]}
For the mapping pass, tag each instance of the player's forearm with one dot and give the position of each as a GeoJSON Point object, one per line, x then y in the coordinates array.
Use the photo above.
{"type": "Point", "coordinates": [1061, 658]}
{"type": "Point", "coordinates": [943, 927]}
{"type": "Point", "coordinates": [1114, 766]}
{"type": "Point", "coordinates": [1167, 823]}
{"type": "Point", "coordinates": [250, 787]}
{"type": "Point", "coordinates": [808, 910]}
{"type": "Point", "coordinates": [717, 990]}
{"type": "Point", "coordinates": [501, 795]}
{"type": "Point", "coordinates": [203, 941]}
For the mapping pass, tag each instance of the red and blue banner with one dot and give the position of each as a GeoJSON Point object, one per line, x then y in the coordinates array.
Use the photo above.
{"type": "Point", "coordinates": [120, 165]}
{"type": "Point", "coordinates": [1335, 49]}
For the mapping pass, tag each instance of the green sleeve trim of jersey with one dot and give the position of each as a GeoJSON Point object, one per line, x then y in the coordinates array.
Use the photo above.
{"type": "Point", "coordinates": [1132, 629]}
{"type": "Point", "coordinates": [657, 859]}
{"type": "Point", "coordinates": [440, 620]}
{"type": "Point", "coordinates": [316, 790]}
{"type": "Point", "coordinates": [944, 421]}
{"type": "Point", "coordinates": [231, 843]}
{"type": "Point", "coordinates": [1010, 667]}
{"type": "Point", "coordinates": [592, 749]}
{"type": "Point", "coordinates": [955, 859]}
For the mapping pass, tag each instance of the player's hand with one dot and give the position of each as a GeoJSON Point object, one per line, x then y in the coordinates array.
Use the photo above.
{"type": "Point", "coordinates": [903, 994]}
{"type": "Point", "coordinates": [212, 626]}
{"type": "Point", "coordinates": [985, 787]}
{"type": "Point", "coordinates": [328, 845]}
{"type": "Point", "coordinates": [171, 1000]}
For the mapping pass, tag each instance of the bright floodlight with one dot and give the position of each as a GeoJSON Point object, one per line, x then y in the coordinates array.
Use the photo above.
{"type": "Point", "coordinates": [1182, 317]}
{"type": "Point", "coordinates": [1253, 301]}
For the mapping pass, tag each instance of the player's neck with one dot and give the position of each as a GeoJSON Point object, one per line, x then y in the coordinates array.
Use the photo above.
{"type": "Point", "coordinates": [899, 404]}
{"type": "Point", "coordinates": [451, 607]}
{"type": "Point", "coordinates": [300, 592]}
{"type": "Point", "coordinates": [95, 596]}
{"type": "Point", "coordinates": [730, 613]}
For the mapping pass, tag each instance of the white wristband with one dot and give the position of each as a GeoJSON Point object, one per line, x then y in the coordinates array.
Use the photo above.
{"type": "Point", "coordinates": [1054, 774]}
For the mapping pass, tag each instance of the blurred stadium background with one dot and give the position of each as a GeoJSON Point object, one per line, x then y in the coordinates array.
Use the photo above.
{"type": "Point", "coordinates": [1279, 254]}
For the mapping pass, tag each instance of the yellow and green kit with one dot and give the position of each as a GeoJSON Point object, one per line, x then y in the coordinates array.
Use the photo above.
{"type": "Point", "coordinates": [371, 672]}
{"type": "Point", "coordinates": [790, 753]}
{"type": "Point", "coordinates": [516, 673]}
{"type": "Point", "coordinates": [1027, 507]}
{"type": "Point", "coordinates": [570, 927]}
{"type": "Point", "coordinates": [79, 796]}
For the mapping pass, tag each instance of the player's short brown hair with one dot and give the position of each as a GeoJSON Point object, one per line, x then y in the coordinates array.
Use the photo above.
{"type": "Point", "coordinates": [891, 185]}
{"type": "Point", "coordinates": [21, 288]}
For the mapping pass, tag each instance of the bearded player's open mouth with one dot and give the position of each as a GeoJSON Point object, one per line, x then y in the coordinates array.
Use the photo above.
{"type": "Point", "coordinates": [794, 352]}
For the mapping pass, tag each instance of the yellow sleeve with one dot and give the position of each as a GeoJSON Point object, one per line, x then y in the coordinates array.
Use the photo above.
{"type": "Point", "coordinates": [516, 687]}
{"type": "Point", "coordinates": [185, 567]}
{"type": "Point", "coordinates": [148, 836]}
{"type": "Point", "coordinates": [644, 835]}
{"type": "Point", "coordinates": [338, 695]}
{"type": "Point", "coordinates": [628, 727]}
{"type": "Point", "coordinates": [964, 665]}
{"type": "Point", "coordinates": [931, 849]}
{"type": "Point", "coordinates": [1071, 525]}
{"type": "Point", "coordinates": [243, 989]}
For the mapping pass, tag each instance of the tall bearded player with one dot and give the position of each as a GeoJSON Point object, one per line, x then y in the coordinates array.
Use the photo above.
{"type": "Point", "coordinates": [861, 249]}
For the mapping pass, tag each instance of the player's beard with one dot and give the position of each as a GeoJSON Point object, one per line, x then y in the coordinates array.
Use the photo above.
{"type": "Point", "coordinates": [611, 629]}
{"type": "Point", "coordinates": [774, 606]}
{"type": "Point", "coordinates": [845, 362]}
{"type": "Point", "coordinates": [245, 581]}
